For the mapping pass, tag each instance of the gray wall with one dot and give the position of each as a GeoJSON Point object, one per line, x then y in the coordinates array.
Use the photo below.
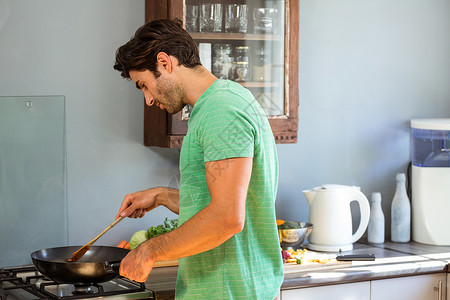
{"type": "Point", "coordinates": [68, 48]}
{"type": "Point", "coordinates": [366, 69]}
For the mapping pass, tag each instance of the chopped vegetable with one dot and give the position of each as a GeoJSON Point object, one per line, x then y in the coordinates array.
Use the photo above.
{"type": "Point", "coordinates": [138, 238]}
{"type": "Point", "coordinates": [286, 255]}
{"type": "Point", "coordinates": [168, 226]}
{"type": "Point", "coordinates": [279, 222]}
{"type": "Point", "coordinates": [304, 257]}
{"type": "Point", "coordinates": [127, 246]}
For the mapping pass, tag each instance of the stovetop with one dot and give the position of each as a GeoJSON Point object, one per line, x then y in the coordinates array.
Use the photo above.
{"type": "Point", "coordinates": [26, 282]}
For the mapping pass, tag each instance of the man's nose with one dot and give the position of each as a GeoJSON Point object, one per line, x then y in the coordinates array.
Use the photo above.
{"type": "Point", "coordinates": [149, 100]}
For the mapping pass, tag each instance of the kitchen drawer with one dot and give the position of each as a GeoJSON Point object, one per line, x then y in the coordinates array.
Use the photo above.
{"type": "Point", "coordinates": [347, 291]}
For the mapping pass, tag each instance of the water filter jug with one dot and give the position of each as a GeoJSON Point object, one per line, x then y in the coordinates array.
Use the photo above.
{"type": "Point", "coordinates": [430, 181]}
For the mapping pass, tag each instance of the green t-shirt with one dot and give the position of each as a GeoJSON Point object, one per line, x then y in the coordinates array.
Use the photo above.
{"type": "Point", "coordinates": [225, 122]}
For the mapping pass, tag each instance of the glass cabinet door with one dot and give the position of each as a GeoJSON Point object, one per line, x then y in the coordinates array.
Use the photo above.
{"type": "Point", "coordinates": [254, 43]}
{"type": "Point", "coordinates": [243, 41]}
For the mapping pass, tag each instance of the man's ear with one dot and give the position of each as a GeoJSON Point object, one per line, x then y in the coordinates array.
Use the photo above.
{"type": "Point", "coordinates": [164, 62]}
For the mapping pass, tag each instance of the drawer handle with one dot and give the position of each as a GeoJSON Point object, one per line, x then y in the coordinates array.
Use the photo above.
{"type": "Point", "coordinates": [439, 289]}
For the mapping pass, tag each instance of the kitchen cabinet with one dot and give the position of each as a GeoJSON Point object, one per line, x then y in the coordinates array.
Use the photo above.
{"type": "Point", "coordinates": [254, 43]}
{"type": "Point", "coordinates": [347, 291]}
{"type": "Point", "coordinates": [420, 287]}
{"type": "Point", "coordinates": [447, 289]}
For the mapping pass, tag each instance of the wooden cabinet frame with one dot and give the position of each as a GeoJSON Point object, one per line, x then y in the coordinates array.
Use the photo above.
{"type": "Point", "coordinates": [165, 130]}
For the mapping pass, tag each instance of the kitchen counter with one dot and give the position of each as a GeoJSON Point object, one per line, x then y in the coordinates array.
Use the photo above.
{"type": "Point", "coordinates": [392, 260]}
{"type": "Point", "coordinates": [162, 282]}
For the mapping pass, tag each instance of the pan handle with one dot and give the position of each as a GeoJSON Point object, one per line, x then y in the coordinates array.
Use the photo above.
{"type": "Point", "coordinates": [112, 267]}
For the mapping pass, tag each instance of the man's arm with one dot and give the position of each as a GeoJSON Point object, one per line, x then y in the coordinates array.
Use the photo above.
{"type": "Point", "coordinates": [227, 182]}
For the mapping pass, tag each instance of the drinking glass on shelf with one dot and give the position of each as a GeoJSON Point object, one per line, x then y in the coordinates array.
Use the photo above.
{"type": "Point", "coordinates": [264, 19]}
{"type": "Point", "coordinates": [210, 17]}
{"type": "Point", "coordinates": [191, 18]}
{"type": "Point", "coordinates": [236, 18]}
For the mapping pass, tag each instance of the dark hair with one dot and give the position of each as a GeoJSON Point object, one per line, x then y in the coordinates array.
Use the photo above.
{"type": "Point", "coordinates": [156, 36]}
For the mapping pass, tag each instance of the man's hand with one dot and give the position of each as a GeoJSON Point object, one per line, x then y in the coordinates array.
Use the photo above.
{"type": "Point", "coordinates": [136, 205]}
{"type": "Point", "coordinates": [137, 265]}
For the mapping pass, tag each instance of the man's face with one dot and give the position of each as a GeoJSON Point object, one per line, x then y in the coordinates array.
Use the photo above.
{"type": "Point", "coordinates": [162, 91]}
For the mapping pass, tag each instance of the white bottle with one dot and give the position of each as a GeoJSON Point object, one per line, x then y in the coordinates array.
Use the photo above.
{"type": "Point", "coordinates": [375, 232]}
{"type": "Point", "coordinates": [400, 213]}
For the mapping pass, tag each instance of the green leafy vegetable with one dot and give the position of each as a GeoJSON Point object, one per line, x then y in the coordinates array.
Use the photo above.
{"type": "Point", "coordinates": [168, 226]}
{"type": "Point", "coordinates": [138, 238]}
{"type": "Point", "coordinates": [143, 235]}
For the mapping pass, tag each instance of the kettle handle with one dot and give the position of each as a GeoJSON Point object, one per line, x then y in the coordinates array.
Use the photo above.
{"type": "Point", "coordinates": [364, 207]}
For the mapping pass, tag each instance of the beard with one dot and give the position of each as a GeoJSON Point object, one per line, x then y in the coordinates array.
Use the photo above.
{"type": "Point", "coordinates": [171, 95]}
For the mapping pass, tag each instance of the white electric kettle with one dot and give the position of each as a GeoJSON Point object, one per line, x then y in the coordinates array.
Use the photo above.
{"type": "Point", "coordinates": [330, 213]}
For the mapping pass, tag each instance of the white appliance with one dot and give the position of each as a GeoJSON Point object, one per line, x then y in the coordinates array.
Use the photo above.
{"type": "Point", "coordinates": [330, 214]}
{"type": "Point", "coordinates": [430, 181]}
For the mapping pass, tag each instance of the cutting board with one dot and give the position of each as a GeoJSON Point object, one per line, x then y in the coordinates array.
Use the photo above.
{"type": "Point", "coordinates": [166, 263]}
{"type": "Point", "coordinates": [306, 267]}
{"type": "Point", "coordinates": [310, 264]}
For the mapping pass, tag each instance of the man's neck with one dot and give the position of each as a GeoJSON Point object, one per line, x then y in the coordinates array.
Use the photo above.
{"type": "Point", "coordinates": [196, 81]}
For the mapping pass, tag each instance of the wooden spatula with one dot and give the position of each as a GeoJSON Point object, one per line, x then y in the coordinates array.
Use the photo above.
{"type": "Point", "coordinates": [80, 252]}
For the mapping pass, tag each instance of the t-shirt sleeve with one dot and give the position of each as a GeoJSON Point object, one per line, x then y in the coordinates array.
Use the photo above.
{"type": "Point", "coordinates": [226, 132]}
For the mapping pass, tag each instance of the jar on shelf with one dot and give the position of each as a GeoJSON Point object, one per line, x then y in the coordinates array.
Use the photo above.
{"type": "Point", "coordinates": [222, 61]}
{"type": "Point", "coordinates": [262, 67]}
{"type": "Point", "coordinates": [241, 63]}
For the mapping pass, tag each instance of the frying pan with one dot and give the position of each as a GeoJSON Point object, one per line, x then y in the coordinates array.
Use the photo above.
{"type": "Point", "coordinates": [99, 264]}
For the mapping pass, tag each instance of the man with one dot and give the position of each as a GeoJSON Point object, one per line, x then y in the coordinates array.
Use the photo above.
{"type": "Point", "coordinates": [227, 242]}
